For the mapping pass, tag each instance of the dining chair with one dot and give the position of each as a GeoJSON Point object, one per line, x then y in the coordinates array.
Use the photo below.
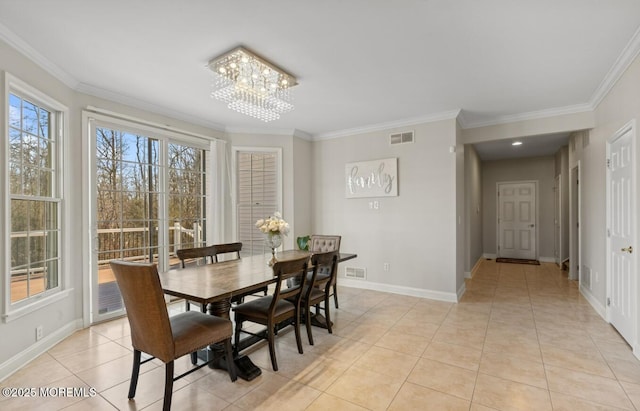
{"type": "Point", "coordinates": [314, 293]}
{"type": "Point", "coordinates": [193, 255]}
{"type": "Point", "coordinates": [234, 249]}
{"type": "Point", "coordinates": [271, 310]}
{"type": "Point", "coordinates": [228, 248]}
{"type": "Point", "coordinates": [165, 338]}
{"type": "Point", "coordinates": [322, 244]}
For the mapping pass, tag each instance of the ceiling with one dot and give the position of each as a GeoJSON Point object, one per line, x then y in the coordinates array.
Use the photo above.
{"type": "Point", "coordinates": [360, 64]}
{"type": "Point", "coordinates": [535, 146]}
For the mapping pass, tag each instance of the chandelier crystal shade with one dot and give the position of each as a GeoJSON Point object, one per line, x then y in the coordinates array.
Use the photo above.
{"type": "Point", "coordinates": [251, 85]}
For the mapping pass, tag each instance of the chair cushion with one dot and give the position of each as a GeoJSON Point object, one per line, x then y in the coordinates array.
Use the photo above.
{"type": "Point", "coordinates": [259, 308]}
{"type": "Point", "coordinates": [193, 330]}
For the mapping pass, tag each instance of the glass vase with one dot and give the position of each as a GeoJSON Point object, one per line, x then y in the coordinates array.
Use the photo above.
{"type": "Point", "coordinates": [273, 241]}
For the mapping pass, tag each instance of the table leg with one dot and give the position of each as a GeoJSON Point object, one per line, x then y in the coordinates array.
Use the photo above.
{"type": "Point", "coordinates": [245, 368]}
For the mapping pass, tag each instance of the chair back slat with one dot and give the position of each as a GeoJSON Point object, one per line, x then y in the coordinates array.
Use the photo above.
{"type": "Point", "coordinates": [284, 270]}
{"type": "Point", "coordinates": [225, 249]}
{"type": "Point", "coordinates": [325, 263]}
{"type": "Point", "coordinates": [197, 252]}
{"type": "Point", "coordinates": [146, 309]}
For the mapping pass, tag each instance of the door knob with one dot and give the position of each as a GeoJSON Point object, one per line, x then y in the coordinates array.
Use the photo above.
{"type": "Point", "coordinates": [532, 225]}
{"type": "Point", "coordinates": [627, 250]}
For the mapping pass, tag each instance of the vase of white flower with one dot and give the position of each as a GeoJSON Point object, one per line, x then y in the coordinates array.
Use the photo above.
{"type": "Point", "coordinates": [273, 229]}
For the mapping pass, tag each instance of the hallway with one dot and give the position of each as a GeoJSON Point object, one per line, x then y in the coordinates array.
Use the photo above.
{"type": "Point", "coordinates": [522, 338]}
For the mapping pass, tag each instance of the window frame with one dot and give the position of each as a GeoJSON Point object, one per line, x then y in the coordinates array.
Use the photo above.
{"type": "Point", "coordinates": [92, 118]}
{"type": "Point", "coordinates": [60, 115]}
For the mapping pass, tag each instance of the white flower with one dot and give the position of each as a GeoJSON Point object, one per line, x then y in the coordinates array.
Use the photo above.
{"type": "Point", "coordinates": [273, 224]}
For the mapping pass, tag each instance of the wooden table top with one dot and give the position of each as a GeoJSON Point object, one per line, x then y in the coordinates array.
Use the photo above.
{"type": "Point", "coordinates": [220, 281]}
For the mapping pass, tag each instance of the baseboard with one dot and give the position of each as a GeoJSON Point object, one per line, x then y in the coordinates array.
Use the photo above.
{"type": "Point", "coordinates": [491, 256]}
{"type": "Point", "coordinates": [21, 359]}
{"type": "Point", "coordinates": [470, 274]}
{"type": "Point", "coordinates": [597, 306]}
{"type": "Point", "coordinates": [398, 289]}
{"type": "Point", "coordinates": [547, 259]}
{"type": "Point", "coordinates": [461, 291]}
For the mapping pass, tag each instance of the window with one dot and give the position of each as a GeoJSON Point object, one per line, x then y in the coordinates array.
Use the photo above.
{"type": "Point", "coordinates": [35, 195]}
{"type": "Point", "coordinates": [257, 195]}
{"type": "Point", "coordinates": [149, 201]}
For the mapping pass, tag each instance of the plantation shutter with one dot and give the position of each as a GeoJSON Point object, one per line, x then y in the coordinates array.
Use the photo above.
{"type": "Point", "coordinates": [257, 191]}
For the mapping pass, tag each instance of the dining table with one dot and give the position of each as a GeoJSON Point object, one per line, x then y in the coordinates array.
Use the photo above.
{"type": "Point", "coordinates": [214, 286]}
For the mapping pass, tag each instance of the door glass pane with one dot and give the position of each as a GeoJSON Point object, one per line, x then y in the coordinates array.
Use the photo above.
{"type": "Point", "coordinates": [126, 206]}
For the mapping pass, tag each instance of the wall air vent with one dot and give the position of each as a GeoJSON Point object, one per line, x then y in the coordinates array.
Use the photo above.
{"type": "Point", "coordinates": [355, 272]}
{"type": "Point", "coordinates": [401, 138]}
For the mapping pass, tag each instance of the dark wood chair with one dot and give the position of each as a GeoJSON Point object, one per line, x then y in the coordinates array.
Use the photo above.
{"type": "Point", "coordinates": [191, 256]}
{"type": "Point", "coordinates": [315, 293]}
{"type": "Point", "coordinates": [228, 248]}
{"type": "Point", "coordinates": [322, 244]}
{"type": "Point", "coordinates": [271, 310]}
{"type": "Point", "coordinates": [155, 333]}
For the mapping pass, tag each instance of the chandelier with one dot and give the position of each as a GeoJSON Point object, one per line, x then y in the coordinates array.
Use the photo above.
{"type": "Point", "coordinates": [251, 85]}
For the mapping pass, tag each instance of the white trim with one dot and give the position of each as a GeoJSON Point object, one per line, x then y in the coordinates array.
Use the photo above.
{"type": "Point", "coordinates": [489, 256]}
{"type": "Point", "coordinates": [547, 260]}
{"type": "Point", "coordinates": [24, 357]}
{"type": "Point", "coordinates": [399, 289]}
{"type": "Point", "coordinates": [431, 118]}
{"type": "Point", "coordinates": [234, 186]}
{"type": "Point", "coordinates": [622, 63]}
{"type": "Point", "coordinates": [60, 113]}
{"type": "Point", "coordinates": [25, 49]}
{"type": "Point", "coordinates": [532, 115]}
{"type": "Point", "coordinates": [144, 105]}
{"type": "Point", "coordinates": [461, 290]}
{"type": "Point", "coordinates": [474, 269]}
{"type": "Point", "coordinates": [36, 303]}
{"type": "Point", "coordinates": [127, 120]}
{"type": "Point", "coordinates": [591, 299]}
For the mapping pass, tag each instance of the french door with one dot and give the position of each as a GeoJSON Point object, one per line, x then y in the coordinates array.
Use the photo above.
{"type": "Point", "coordinates": [149, 200]}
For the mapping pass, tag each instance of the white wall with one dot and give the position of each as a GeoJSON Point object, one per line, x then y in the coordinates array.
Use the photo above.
{"type": "Point", "coordinates": [474, 209]}
{"type": "Point", "coordinates": [302, 167]}
{"type": "Point", "coordinates": [17, 338]}
{"type": "Point", "coordinates": [621, 105]}
{"type": "Point", "coordinates": [538, 168]}
{"type": "Point", "coordinates": [18, 335]}
{"type": "Point", "coordinates": [415, 232]}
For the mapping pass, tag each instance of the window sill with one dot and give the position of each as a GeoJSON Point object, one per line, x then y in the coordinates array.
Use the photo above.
{"type": "Point", "coordinates": [36, 305]}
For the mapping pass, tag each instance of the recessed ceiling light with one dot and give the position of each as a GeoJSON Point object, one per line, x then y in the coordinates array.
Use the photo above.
{"type": "Point", "coordinates": [516, 143]}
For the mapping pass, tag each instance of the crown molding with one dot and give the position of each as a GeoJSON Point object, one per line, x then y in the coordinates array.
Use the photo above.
{"type": "Point", "coordinates": [144, 105]}
{"type": "Point", "coordinates": [431, 118]}
{"type": "Point", "coordinates": [532, 115]}
{"type": "Point", "coordinates": [622, 63]}
{"type": "Point", "coordinates": [25, 49]}
{"type": "Point", "coordinates": [261, 131]}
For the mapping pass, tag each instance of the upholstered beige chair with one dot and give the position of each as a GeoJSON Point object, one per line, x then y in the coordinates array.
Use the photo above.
{"type": "Point", "coordinates": [322, 244]}
{"type": "Point", "coordinates": [155, 333]}
{"type": "Point", "coordinates": [271, 310]}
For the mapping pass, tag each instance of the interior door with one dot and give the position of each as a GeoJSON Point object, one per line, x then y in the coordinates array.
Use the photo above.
{"type": "Point", "coordinates": [517, 220]}
{"type": "Point", "coordinates": [621, 235]}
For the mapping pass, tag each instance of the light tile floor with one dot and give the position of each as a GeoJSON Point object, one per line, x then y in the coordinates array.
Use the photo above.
{"type": "Point", "coordinates": [522, 338]}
